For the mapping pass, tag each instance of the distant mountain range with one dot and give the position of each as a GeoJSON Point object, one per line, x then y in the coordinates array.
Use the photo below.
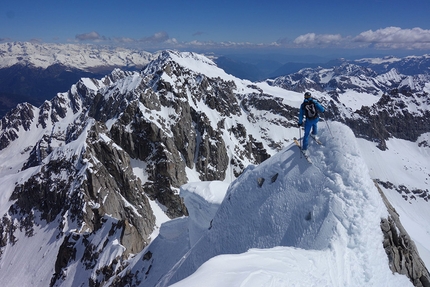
{"type": "Point", "coordinates": [353, 76]}
{"type": "Point", "coordinates": [83, 57]}
{"type": "Point", "coordinates": [258, 67]}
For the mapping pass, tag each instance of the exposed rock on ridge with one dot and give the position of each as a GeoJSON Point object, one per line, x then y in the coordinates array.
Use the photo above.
{"type": "Point", "coordinates": [401, 250]}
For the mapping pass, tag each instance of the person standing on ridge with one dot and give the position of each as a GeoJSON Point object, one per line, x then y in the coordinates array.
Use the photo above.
{"type": "Point", "coordinates": [309, 109]}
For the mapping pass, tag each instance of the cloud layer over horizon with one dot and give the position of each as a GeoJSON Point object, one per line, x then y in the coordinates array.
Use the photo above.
{"type": "Point", "coordinates": [385, 38]}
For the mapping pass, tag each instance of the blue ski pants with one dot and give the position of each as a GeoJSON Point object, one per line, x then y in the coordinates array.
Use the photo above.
{"type": "Point", "coordinates": [309, 125]}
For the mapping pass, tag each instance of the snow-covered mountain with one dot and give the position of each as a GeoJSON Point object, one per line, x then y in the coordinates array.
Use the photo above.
{"type": "Point", "coordinates": [411, 65]}
{"type": "Point", "coordinates": [138, 178]}
{"type": "Point", "coordinates": [84, 57]}
{"type": "Point", "coordinates": [352, 77]}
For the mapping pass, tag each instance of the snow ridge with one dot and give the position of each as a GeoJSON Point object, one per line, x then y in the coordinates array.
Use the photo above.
{"type": "Point", "coordinates": [322, 221]}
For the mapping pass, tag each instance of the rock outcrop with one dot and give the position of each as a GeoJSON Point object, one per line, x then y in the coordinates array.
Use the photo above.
{"type": "Point", "coordinates": [402, 253]}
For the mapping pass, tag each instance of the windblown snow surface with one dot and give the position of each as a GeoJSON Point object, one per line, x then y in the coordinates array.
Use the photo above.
{"type": "Point", "coordinates": [305, 225]}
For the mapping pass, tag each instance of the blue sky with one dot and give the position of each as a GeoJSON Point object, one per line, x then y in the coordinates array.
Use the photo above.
{"type": "Point", "coordinates": [283, 26]}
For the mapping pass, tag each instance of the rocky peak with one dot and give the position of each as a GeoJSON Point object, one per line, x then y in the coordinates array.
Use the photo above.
{"type": "Point", "coordinates": [18, 119]}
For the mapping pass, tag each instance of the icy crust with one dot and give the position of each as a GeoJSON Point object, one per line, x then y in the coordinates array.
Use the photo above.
{"type": "Point", "coordinates": [311, 225]}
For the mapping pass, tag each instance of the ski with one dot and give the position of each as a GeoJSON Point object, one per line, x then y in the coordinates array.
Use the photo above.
{"type": "Point", "coordinates": [304, 154]}
{"type": "Point", "coordinates": [316, 140]}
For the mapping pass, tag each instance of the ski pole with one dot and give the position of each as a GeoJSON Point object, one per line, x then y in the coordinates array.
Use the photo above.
{"type": "Point", "coordinates": [300, 139]}
{"type": "Point", "coordinates": [328, 128]}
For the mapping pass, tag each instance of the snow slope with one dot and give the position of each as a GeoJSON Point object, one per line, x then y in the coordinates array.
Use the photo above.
{"type": "Point", "coordinates": [311, 225]}
{"type": "Point", "coordinates": [407, 164]}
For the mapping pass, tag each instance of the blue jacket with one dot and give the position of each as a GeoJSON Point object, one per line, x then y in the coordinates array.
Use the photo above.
{"type": "Point", "coordinates": [302, 110]}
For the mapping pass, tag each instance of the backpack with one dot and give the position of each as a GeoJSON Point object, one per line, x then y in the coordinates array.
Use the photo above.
{"type": "Point", "coordinates": [310, 110]}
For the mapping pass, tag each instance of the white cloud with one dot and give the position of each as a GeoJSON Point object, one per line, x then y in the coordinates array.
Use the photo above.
{"type": "Point", "coordinates": [386, 38]}
{"type": "Point", "coordinates": [395, 35]}
{"type": "Point", "coordinates": [312, 39]}
{"type": "Point", "coordinates": [396, 38]}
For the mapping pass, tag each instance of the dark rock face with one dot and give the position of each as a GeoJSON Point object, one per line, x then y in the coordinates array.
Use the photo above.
{"type": "Point", "coordinates": [402, 253]}
{"type": "Point", "coordinates": [91, 199]}
{"type": "Point", "coordinates": [186, 138]}
{"type": "Point", "coordinates": [407, 194]}
{"type": "Point", "coordinates": [114, 187]}
{"type": "Point", "coordinates": [19, 118]}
